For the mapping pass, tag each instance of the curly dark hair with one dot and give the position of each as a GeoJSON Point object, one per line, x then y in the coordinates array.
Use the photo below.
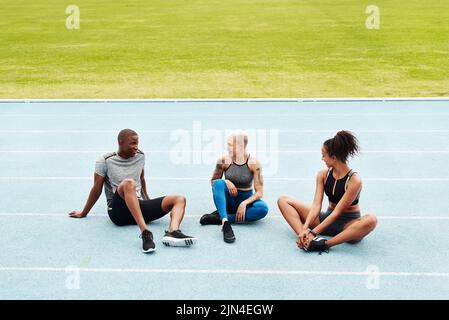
{"type": "Point", "coordinates": [342, 146]}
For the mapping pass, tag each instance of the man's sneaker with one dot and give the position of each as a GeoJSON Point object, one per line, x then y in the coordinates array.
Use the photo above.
{"type": "Point", "coordinates": [178, 239]}
{"type": "Point", "coordinates": [211, 218]}
{"type": "Point", "coordinates": [228, 234]}
{"type": "Point", "coordinates": [148, 243]}
{"type": "Point", "coordinates": [317, 245]}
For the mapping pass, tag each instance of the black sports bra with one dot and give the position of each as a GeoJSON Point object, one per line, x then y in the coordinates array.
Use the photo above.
{"type": "Point", "coordinates": [336, 194]}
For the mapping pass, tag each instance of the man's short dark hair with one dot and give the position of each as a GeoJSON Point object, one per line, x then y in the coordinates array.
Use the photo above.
{"type": "Point", "coordinates": [123, 134]}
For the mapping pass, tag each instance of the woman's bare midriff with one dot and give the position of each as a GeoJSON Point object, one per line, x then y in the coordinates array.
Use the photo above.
{"type": "Point", "coordinates": [245, 189]}
{"type": "Point", "coordinates": [354, 208]}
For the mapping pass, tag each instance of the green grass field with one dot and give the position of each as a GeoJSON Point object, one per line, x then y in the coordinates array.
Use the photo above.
{"type": "Point", "coordinates": [223, 49]}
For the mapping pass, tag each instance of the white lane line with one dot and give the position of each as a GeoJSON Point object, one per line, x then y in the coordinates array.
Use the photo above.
{"type": "Point", "coordinates": [197, 216]}
{"type": "Point", "coordinates": [228, 271]}
{"type": "Point", "coordinates": [201, 131]}
{"type": "Point", "coordinates": [405, 217]}
{"type": "Point", "coordinates": [219, 152]}
{"type": "Point", "coordinates": [413, 217]}
{"type": "Point", "coordinates": [208, 179]}
{"type": "Point", "coordinates": [49, 214]}
{"type": "Point", "coordinates": [255, 114]}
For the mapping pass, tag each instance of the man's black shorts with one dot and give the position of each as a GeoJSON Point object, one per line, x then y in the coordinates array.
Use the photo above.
{"type": "Point", "coordinates": [121, 216]}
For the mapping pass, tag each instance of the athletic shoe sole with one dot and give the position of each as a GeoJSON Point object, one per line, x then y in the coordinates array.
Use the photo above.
{"type": "Point", "coordinates": [175, 242]}
{"type": "Point", "coordinates": [149, 250]}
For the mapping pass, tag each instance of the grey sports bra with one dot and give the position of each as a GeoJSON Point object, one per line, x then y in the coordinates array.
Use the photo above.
{"type": "Point", "coordinates": [240, 175]}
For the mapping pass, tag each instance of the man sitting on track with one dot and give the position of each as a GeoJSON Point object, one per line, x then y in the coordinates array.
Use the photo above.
{"type": "Point", "coordinates": [122, 174]}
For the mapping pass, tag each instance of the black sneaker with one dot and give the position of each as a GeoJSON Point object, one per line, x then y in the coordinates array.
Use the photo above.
{"type": "Point", "coordinates": [317, 245]}
{"type": "Point", "coordinates": [178, 239]}
{"type": "Point", "coordinates": [148, 243]}
{"type": "Point", "coordinates": [228, 234]}
{"type": "Point", "coordinates": [211, 218]}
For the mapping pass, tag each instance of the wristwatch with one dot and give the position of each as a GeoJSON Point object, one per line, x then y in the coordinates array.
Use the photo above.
{"type": "Point", "coordinates": [312, 232]}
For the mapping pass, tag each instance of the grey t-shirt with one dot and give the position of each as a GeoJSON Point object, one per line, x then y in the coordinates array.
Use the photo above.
{"type": "Point", "coordinates": [115, 169]}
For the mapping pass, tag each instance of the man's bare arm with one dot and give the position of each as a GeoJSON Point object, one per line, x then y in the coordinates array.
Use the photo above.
{"type": "Point", "coordinates": [94, 194]}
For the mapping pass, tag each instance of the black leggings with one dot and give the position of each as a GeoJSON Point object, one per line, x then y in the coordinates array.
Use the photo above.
{"type": "Point", "coordinates": [119, 213]}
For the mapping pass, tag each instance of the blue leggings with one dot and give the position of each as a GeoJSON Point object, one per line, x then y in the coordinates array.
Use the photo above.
{"type": "Point", "coordinates": [227, 205]}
